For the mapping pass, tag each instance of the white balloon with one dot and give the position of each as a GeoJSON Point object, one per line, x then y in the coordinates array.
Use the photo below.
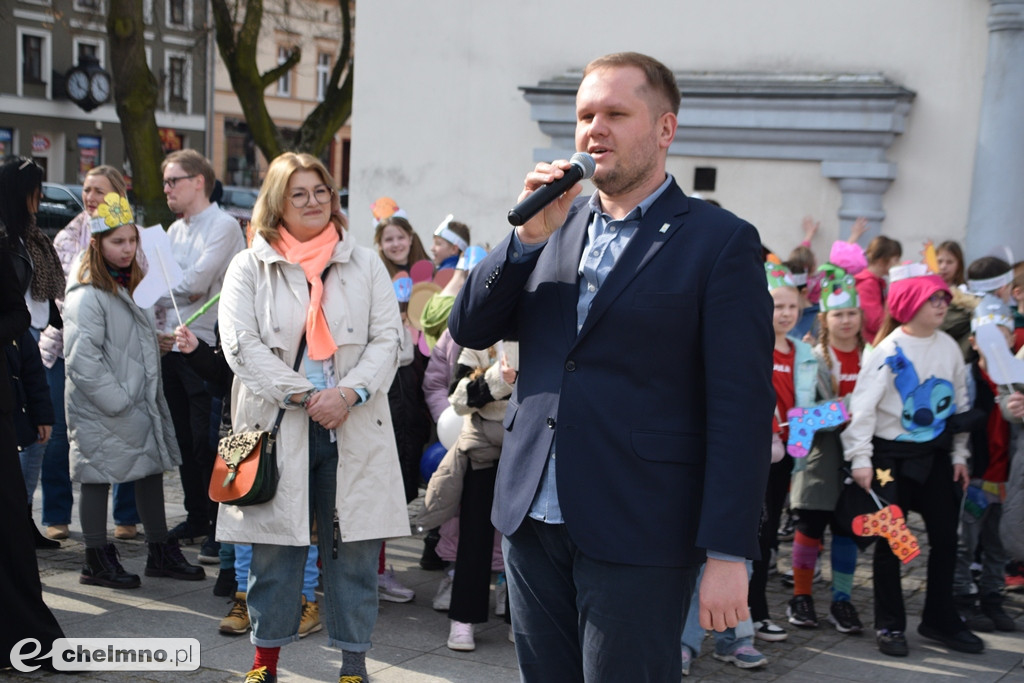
{"type": "Point", "coordinates": [449, 424]}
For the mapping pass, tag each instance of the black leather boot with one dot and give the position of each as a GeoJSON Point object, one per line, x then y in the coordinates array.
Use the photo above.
{"type": "Point", "coordinates": [102, 568]}
{"type": "Point", "coordinates": [42, 542]}
{"type": "Point", "coordinates": [165, 559]}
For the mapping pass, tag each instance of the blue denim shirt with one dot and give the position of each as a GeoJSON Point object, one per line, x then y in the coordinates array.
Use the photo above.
{"type": "Point", "coordinates": [606, 239]}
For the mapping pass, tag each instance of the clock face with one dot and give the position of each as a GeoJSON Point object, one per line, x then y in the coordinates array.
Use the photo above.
{"type": "Point", "coordinates": [78, 85]}
{"type": "Point", "coordinates": [99, 87]}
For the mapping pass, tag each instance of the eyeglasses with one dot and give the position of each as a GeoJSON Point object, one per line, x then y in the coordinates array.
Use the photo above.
{"type": "Point", "coordinates": [171, 182]}
{"type": "Point", "coordinates": [300, 199]}
{"type": "Point", "coordinates": [940, 299]}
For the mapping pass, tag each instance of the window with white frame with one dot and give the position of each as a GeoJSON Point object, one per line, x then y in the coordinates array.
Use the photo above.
{"type": "Point", "coordinates": [323, 75]}
{"type": "Point", "coordinates": [34, 60]}
{"type": "Point", "coordinates": [177, 82]}
{"type": "Point", "coordinates": [91, 6]}
{"type": "Point", "coordinates": [178, 13]}
{"type": "Point", "coordinates": [82, 47]}
{"type": "Point", "coordinates": [284, 83]}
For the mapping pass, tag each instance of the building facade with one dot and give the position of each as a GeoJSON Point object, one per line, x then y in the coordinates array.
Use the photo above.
{"type": "Point", "coordinates": [904, 112]}
{"type": "Point", "coordinates": [314, 27]}
{"type": "Point", "coordinates": [42, 40]}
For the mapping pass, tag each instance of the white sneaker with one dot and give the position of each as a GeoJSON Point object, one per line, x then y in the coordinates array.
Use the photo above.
{"type": "Point", "coordinates": [769, 631]}
{"type": "Point", "coordinates": [388, 588]}
{"type": "Point", "coordinates": [460, 637]}
{"type": "Point", "coordinates": [500, 593]}
{"type": "Point", "coordinates": [443, 599]}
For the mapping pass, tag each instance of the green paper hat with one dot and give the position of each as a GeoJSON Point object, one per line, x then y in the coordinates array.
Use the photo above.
{"type": "Point", "coordinates": [778, 276]}
{"type": "Point", "coordinates": [838, 289]}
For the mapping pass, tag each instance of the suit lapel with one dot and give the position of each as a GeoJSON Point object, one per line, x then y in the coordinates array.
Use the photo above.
{"type": "Point", "coordinates": [660, 222]}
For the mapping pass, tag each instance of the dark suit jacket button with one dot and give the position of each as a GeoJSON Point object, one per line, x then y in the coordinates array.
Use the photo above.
{"type": "Point", "coordinates": [551, 423]}
{"type": "Point", "coordinates": [570, 365]}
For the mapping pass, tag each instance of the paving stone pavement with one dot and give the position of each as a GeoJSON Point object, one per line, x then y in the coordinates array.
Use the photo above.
{"type": "Point", "coordinates": [409, 640]}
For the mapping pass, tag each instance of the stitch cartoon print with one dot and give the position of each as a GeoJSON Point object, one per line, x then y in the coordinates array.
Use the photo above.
{"type": "Point", "coordinates": [926, 405]}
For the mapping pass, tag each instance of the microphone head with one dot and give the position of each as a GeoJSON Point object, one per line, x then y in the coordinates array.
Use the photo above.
{"type": "Point", "coordinates": [585, 162]}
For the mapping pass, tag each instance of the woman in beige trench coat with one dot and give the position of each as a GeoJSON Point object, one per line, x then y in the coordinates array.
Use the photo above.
{"type": "Point", "coordinates": [336, 449]}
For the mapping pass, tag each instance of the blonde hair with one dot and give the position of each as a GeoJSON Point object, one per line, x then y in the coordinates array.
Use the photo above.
{"type": "Point", "coordinates": [824, 338]}
{"type": "Point", "coordinates": [94, 270]}
{"type": "Point", "coordinates": [266, 214]}
{"type": "Point", "coordinates": [117, 180]}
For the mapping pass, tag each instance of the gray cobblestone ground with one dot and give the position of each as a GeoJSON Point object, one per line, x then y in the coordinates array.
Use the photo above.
{"type": "Point", "coordinates": [409, 642]}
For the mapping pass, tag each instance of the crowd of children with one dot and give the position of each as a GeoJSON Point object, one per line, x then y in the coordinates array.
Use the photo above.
{"type": "Point", "coordinates": [887, 405]}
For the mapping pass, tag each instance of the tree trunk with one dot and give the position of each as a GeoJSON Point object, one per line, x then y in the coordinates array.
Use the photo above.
{"type": "Point", "coordinates": [135, 97]}
{"type": "Point", "coordinates": [238, 50]}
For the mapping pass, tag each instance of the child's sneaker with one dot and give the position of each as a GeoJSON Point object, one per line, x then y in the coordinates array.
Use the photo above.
{"type": "Point", "coordinates": [687, 660]}
{"type": "Point", "coordinates": [388, 588]}
{"type": "Point", "coordinates": [801, 612]}
{"type": "Point", "coordinates": [745, 657]}
{"type": "Point", "coordinates": [769, 631]}
{"type": "Point", "coordinates": [844, 615]}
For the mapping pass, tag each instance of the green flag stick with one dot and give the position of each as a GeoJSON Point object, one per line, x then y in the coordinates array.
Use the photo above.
{"type": "Point", "coordinates": [205, 307]}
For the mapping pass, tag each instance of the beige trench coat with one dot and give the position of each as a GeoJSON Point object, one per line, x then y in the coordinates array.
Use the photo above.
{"type": "Point", "coordinates": [262, 315]}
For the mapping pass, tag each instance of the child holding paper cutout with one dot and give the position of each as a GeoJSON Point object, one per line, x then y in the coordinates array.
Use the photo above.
{"type": "Point", "coordinates": [981, 605]}
{"type": "Point", "coordinates": [817, 481]}
{"type": "Point", "coordinates": [899, 443]}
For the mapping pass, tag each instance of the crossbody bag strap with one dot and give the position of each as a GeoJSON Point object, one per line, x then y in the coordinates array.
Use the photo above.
{"type": "Point", "coordinates": [298, 363]}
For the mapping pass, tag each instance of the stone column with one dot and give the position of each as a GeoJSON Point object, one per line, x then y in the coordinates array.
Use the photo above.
{"type": "Point", "coordinates": [863, 185]}
{"type": "Point", "coordinates": [997, 192]}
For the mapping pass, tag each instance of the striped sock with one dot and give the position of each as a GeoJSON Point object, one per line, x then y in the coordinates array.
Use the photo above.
{"type": "Point", "coordinates": [844, 562]}
{"type": "Point", "coordinates": [805, 554]}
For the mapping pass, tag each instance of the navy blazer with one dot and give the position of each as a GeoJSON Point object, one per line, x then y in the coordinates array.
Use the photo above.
{"type": "Point", "coordinates": [660, 407]}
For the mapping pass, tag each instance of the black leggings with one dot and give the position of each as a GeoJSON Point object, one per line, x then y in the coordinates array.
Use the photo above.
{"type": "Point", "coordinates": [149, 499]}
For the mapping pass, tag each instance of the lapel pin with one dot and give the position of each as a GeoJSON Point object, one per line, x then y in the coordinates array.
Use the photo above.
{"type": "Point", "coordinates": [664, 228]}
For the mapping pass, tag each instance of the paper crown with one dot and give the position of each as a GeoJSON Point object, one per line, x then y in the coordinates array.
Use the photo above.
{"type": "Point", "coordinates": [908, 270]}
{"type": "Point", "coordinates": [446, 233]}
{"type": "Point", "coordinates": [114, 212]}
{"type": "Point", "coordinates": [384, 208]}
{"type": "Point", "coordinates": [838, 289]}
{"type": "Point", "coordinates": [991, 310]}
{"type": "Point", "coordinates": [778, 276]}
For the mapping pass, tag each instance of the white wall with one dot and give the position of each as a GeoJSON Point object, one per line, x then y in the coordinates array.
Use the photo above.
{"type": "Point", "coordinates": [440, 125]}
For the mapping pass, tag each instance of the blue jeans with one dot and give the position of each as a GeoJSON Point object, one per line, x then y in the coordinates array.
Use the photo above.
{"type": "Point", "coordinates": [577, 618]}
{"type": "Point", "coordinates": [725, 641]}
{"type": "Point", "coordinates": [276, 574]}
{"type": "Point", "coordinates": [55, 474]}
{"type": "Point", "coordinates": [243, 560]}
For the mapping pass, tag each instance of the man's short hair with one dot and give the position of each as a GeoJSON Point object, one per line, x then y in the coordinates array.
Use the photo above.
{"type": "Point", "coordinates": [193, 163]}
{"type": "Point", "coordinates": [659, 77]}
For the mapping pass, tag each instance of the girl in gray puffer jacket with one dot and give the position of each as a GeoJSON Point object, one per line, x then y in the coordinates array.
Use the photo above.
{"type": "Point", "coordinates": [119, 426]}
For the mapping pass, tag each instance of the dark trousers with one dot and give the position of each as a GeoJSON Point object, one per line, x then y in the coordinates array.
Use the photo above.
{"type": "Point", "coordinates": [189, 403]}
{"type": "Point", "coordinates": [774, 500]}
{"type": "Point", "coordinates": [472, 584]}
{"type": "Point", "coordinates": [936, 501]}
{"type": "Point", "coordinates": [577, 618]}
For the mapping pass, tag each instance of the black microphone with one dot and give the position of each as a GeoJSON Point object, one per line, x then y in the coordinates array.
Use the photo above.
{"type": "Point", "coordinates": [583, 166]}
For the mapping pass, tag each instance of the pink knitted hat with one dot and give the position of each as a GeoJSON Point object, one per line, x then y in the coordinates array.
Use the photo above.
{"type": "Point", "coordinates": [907, 295]}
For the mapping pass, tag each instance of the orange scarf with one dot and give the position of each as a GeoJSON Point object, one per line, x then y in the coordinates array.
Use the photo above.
{"type": "Point", "coordinates": [313, 256]}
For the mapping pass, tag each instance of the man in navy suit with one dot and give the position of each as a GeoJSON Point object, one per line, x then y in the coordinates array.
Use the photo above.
{"type": "Point", "coordinates": [639, 434]}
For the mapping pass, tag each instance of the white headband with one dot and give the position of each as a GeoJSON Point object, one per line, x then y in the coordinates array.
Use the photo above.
{"type": "Point", "coordinates": [991, 284]}
{"type": "Point", "coordinates": [446, 233]}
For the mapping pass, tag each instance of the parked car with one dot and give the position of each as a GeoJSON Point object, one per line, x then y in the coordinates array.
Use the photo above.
{"type": "Point", "coordinates": [60, 203]}
{"type": "Point", "coordinates": [238, 201]}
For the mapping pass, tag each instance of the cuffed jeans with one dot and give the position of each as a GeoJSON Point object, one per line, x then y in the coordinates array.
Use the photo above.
{"type": "Point", "coordinates": [276, 573]}
{"type": "Point", "coordinates": [577, 618]}
{"type": "Point", "coordinates": [725, 641]}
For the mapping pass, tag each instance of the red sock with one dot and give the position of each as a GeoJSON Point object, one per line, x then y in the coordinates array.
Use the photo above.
{"type": "Point", "coordinates": [805, 554]}
{"type": "Point", "coordinates": [266, 656]}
